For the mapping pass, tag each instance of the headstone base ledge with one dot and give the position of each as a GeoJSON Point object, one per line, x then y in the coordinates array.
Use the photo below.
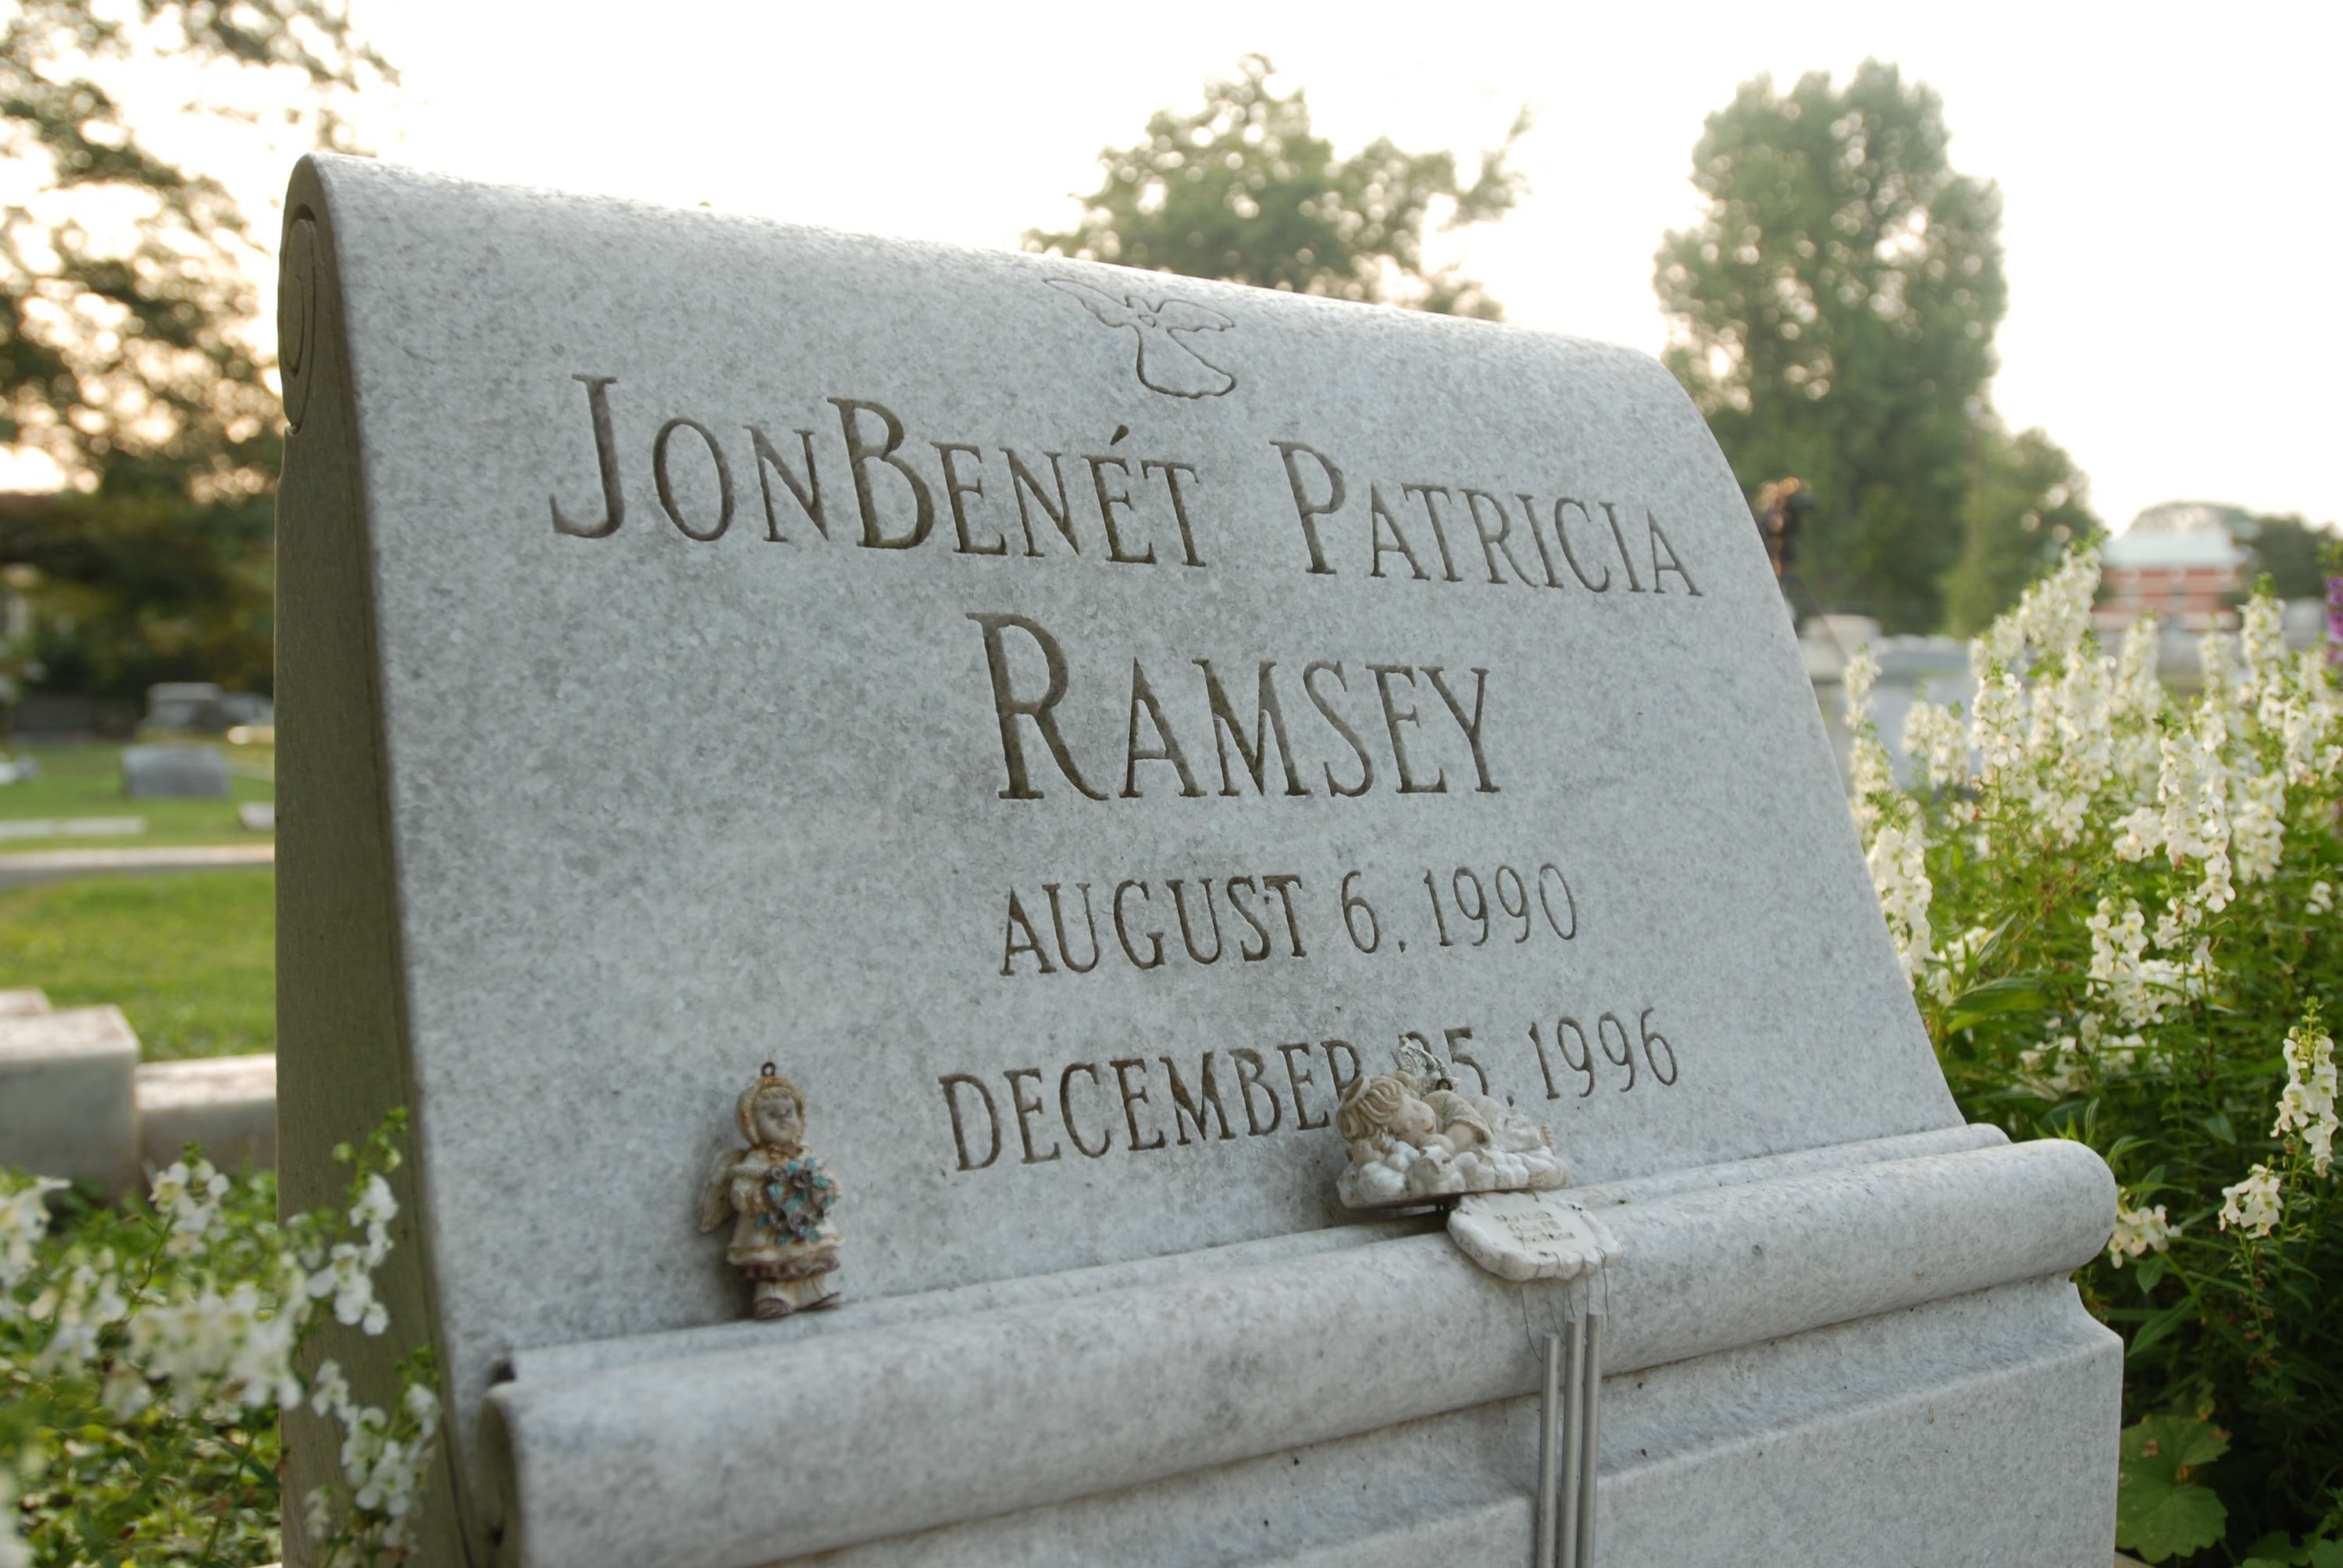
{"type": "Point", "coordinates": [564, 1361]}
{"type": "Point", "coordinates": [1852, 1446]}
{"type": "Point", "coordinates": [908, 1428]}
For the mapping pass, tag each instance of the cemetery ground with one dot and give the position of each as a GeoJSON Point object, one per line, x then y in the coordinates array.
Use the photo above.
{"type": "Point", "coordinates": [81, 783]}
{"type": "Point", "coordinates": [189, 956]}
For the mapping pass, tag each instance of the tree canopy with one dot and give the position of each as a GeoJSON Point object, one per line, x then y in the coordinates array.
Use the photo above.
{"type": "Point", "coordinates": [1832, 313]}
{"type": "Point", "coordinates": [125, 282]}
{"type": "Point", "coordinates": [129, 354]}
{"type": "Point", "coordinates": [1242, 189]}
{"type": "Point", "coordinates": [2027, 503]}
{"type": "Point", "coordinates": [2289, 550]}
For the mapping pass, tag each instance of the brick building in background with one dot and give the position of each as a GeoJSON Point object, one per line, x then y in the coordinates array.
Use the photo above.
{"type": "Point", "coordinates": [2180, 562]}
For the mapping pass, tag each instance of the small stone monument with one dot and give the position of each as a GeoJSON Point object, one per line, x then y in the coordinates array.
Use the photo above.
{"type": "Point", "coordinates": [164, 770]}
{"type": "Point", "coordinates": [1081, 721]}
{"type": "Point", "coordinates": [180, 704]}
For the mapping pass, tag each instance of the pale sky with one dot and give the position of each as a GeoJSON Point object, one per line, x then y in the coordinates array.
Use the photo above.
{"type": "Point", "coordinates": [2168, 173]}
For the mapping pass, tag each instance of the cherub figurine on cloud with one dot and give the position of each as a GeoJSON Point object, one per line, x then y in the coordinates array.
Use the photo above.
{"type": "Point", "coordinates": [1415, 1139]}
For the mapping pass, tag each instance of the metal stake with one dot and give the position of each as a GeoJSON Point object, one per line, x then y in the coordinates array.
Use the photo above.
{"type": "Point", "coordinates": [1549, 1415]}
{"type": "Point", "coordinates": [1573, 1396]}
{"type": "Point", "coordinates": [1587, 1415]}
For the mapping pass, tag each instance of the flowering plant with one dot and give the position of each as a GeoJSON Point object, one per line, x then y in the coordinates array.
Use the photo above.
{"type": "Point", "coordinates": [144, 1355]}
{"type": "Point", "coordinates": [2116, 909]}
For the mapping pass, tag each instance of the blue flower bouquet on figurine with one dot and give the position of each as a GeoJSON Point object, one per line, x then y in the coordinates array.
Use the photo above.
{"type": "Point", "coordinates": [798, 1196]}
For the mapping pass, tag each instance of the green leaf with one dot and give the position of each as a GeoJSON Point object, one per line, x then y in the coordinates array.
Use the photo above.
{"type": "Point", "coordinates": [2158, 1518]}
{"type": "Point", "coordinates": [2326, 1554]}
{"type": "Point", "coordinates": [2183, 1442]}
{"type": "Point", "coordinates": [2012, 993]}
{"type": "Point", "coordinates": [2160, 1509]}
{"type": "Point", "coordinates": [2217, 1124]}
{"type": "Point", "coordinates": [2275, 1550]}
{"type": "Point", "coordinates": [2161, 1325]}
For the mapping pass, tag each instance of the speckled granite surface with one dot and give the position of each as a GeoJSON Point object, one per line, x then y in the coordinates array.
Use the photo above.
{"type": "Point", "coordinates": [1069, 720]}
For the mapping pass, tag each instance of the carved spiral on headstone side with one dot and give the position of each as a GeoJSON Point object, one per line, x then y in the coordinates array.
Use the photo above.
{"type": "Point", "coordinates": [296, 316]}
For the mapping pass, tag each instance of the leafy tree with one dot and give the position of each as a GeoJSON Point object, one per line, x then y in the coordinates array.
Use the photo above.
{"type": "Point", "coordinates": [1833, 316]}
{"type": "Point", "coordinates": [2028, 505]}
{"type": "Point", "coordinates": [127, 353]}
{"type": "Point", "coordinates": [1241, 189]}
{"type": "Point", "coordinates": [126, 282]}
{"type": "Point", "coordinates": [2289, 551]}
{"type": "Point", "coordinates": [137, 586]}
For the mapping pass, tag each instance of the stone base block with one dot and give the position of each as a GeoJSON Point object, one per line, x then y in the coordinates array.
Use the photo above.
{"type": "Point", "coordinates": [67, 1104]}
{"type": "Point", "coordinates": [226, 1104]}
{"type": "Point", "coordinates": [23, 1002]}
{"type": "Point", "coordinates": [76, 1101]}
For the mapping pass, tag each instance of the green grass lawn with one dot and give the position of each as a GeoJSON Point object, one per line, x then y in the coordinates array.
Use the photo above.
{"type": "Point", "coordinates": [190, 958]}
{"type": "Point", "coordinates": [86, 781]}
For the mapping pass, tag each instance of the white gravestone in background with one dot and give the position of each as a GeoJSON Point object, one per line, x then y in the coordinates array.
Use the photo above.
{"type": "Point", "coordinates": [1072, 721]}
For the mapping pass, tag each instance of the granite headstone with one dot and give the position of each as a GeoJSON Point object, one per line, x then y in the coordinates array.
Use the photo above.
{"type": "Point", "coordinates": [1073, 721]}
{"type": "Point", "coordinates": [180, 704]}
{"type": "Point", "coordinates": [160, 771]}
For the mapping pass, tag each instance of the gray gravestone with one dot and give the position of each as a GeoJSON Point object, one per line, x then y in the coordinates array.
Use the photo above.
{"type": "Point", "coordinates": [180, 704]}
{"type": "Point", "coordinates": [1072, 721]}
{"type": "Point", "coordinates": [159, 771]}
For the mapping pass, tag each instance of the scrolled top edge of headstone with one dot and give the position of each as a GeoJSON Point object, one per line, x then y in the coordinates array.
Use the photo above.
{"type": "Point", "coordinates": [784, 1241]}
{"type": "Point", "coordinates": [296, 314]}
{"type": "Point", "coordinates": [1415, 1139]}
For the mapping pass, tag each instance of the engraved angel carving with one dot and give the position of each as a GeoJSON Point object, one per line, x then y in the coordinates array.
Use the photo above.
{"type": "Point", "coordinates": [783, 1239]}
{"type": "Point", "coordinates": [1168, 360]}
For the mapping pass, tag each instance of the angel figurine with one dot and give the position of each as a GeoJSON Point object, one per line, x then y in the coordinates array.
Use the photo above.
{"type": "Point", "coordinates": [783, 1239]}
{"type": "Point", "coordinates": [1415, 1139]}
